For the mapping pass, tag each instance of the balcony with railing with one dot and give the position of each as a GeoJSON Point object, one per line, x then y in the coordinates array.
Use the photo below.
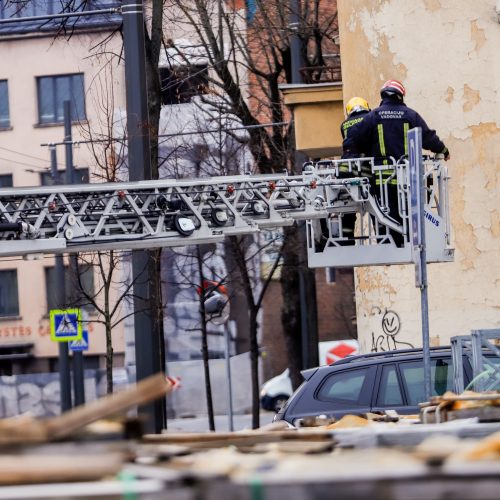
{"type": "Point", "coordinates": [328, 73]}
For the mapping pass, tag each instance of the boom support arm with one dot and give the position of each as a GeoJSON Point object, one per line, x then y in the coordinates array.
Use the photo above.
{"type": "Point", "coordinates": [146, 214]}
{"type": "Point", "coordinates": [79, 218]}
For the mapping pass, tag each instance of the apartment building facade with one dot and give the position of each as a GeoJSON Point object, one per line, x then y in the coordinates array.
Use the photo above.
{"type": "Point", "coordinates": [43, 64]}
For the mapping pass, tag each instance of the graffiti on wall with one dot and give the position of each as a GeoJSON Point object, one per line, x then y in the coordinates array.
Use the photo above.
{"type": "Point", "coordinates": [37, 394]}
{"type": "Point", "coordinates": [389, 338]}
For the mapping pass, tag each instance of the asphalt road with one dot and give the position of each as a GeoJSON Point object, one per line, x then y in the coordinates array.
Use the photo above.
{"type": "Point", "coordinates": [200, 424]}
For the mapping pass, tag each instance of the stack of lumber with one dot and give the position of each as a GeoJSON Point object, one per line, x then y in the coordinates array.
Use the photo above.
{"type": "Point", "coordinates": [26, 430]}
{"type": "Point", "coordinates": [485, 406]}
{"type": "Point", "coordinates": [25, 454]}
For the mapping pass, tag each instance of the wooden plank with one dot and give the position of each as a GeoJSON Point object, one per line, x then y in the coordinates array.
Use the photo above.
{"type": "Point", "coordinates": [484, 414]}
{"type": "Point", "coordinates": [22, 429]}
{"type": "Point", "coordinates": [143, 392]}
{"type": "Point", "coordinates": [466, 397]}
{"type": "Point", "coordinates": [300, 447]}
{"type": "Point", "coordinates": [240, 438]}
{"type": "Point", "coordinates": [24, 469]}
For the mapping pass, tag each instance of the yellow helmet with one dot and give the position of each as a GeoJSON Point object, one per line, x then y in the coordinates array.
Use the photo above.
{"type": "Point", "coordinates": [356, 104]}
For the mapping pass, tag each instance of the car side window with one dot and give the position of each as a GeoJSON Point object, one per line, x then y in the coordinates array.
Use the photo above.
{"type": "Point", "coordinates": [389, 392]}
{"type": "Point", "coordinates": [343, 386]}
{"type": "Point", "coordinates": [413, 375]}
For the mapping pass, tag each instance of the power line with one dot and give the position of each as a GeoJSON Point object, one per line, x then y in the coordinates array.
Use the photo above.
{"type": "Point", "coordinates": [24, 154]}
{"type": "Point", "coordinates": [177, 134]}
{"type": "Point", "coordinates": [23, 163]}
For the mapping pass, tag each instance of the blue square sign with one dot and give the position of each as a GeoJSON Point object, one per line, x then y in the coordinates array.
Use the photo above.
{"type": "Point", "coordinates": [80, 345]}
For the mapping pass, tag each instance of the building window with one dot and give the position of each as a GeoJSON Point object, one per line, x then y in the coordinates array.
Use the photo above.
{"type": "Point", "coordinates": [26, 8]}
{"type": "Point", "coordinates": [53, 91]}
{"type": "Point", "coordinates": [4, 105]}
{"type": "Point", "coordinates": [6, 180]}
{"type": "Point", "coordinates": [81, 176]}
{"type": "Point", "coordinates": [74, 296]}
{"type": "Point", "coordinates": [181, 83]}
{"type": "Point", "coordinates": [9, 300]}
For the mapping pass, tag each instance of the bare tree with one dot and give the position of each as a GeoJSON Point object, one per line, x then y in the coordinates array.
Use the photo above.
{"type": "Point", "coordinates": [239, 249]}
{"type": "Point", "coordinates": [110, 269]}
{"type": "Point", "coordinates": [215, 151]}
{"type": "Point", "coordinates": [247, 63]}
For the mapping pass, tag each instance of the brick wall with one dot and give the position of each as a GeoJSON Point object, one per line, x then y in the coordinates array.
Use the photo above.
{"type": "Point", "coordinates": [336, 317]}
{"type": "Point", "coordinates": [335, 301]}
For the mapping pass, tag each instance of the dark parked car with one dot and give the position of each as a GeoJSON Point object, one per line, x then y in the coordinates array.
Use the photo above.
{"type": "Point", "coordinates": [370, 383]}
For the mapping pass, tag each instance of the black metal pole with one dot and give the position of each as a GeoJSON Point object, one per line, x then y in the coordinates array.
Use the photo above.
{"type": "Point", "coordinates": [147, 331]}
{"type": "Point", "coordinates": [78, 378]}
{"type": "Point", "coordinates": [139, 159]}
{"type": "Point", "coordinates": [295, 53]}
{"type": "Point", "coordinates": [227, 356]}
{"type": "Point", "coordinates": [303, 320]}
{"type": "Point", "coordinates": [68, 146]}
{"type": "Point", "coordinates": [78, 363]}
{"type": "Point", "coordinates": [307, 277]}
{"type": "Point", "coordinates": [64, 367]}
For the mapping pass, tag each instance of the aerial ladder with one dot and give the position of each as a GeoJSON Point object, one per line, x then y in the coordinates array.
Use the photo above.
{"type": "Point", "coordinates": [170, 213]}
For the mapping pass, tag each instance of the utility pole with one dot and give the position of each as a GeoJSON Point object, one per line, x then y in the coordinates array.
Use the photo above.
{"type": "Point", "coordinates": [148, 341]}
{"type": "Point", "coordinates": [307, 278]}
{"type": "Point", "coordinates": [60, 286]}
{"type": "Point", "coordinates": [78, 364]}
{"type": "Point", "coordinates": [295, 53]}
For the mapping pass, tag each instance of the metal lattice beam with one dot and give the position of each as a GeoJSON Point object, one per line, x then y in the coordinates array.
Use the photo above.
{"type": "Point", "coordinates": [153, 213]}
{"type": "Point", "coordinates": [172, 213]}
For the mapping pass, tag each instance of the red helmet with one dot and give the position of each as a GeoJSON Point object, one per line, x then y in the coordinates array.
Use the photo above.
{"type": "Point", "coordinates": [391, 87]}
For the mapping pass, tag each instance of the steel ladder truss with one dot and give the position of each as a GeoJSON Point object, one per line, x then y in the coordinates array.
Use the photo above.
{"type": "Point", "coordinates": [373, 243]}
{"type": "Point", "coordinates": [76, 218]}
{"type": "Point", "coordinates": [484, 357]}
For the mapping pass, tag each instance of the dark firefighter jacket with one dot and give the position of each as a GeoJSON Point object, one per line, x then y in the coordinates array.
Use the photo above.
{"type": "Point", "coordinates": [383, 131]}
{"type": "Point", "coordinates": [346, 126]}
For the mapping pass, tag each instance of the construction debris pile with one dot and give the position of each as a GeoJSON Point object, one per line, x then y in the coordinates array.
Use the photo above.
{"type": "Point", "coordinates": [382, 456]}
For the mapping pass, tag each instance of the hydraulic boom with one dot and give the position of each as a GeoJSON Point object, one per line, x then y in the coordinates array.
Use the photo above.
{"type": "Point", "coordinates": [76, 218]}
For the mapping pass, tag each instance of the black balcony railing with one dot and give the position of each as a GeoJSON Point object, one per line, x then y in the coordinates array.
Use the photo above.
{"type": "Point", "coordinates": [322, 74]}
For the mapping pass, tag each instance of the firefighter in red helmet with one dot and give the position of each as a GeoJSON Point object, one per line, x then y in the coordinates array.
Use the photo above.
{"type": "Point", "coordinates": [383, 133]}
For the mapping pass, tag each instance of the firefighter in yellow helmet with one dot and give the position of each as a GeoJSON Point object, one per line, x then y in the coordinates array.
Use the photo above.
{"type": "Point", "coordinates": [355, 110]}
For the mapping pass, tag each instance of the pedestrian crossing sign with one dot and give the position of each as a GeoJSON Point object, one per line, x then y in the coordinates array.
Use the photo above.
{"type": "Point", "coordinates": [65, 325]}
{"type": "Point", "coordinates": [80, 345]}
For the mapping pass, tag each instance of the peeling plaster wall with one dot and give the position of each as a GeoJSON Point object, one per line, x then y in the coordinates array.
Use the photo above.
{"type": "Point", "coordinates": [446, 54]}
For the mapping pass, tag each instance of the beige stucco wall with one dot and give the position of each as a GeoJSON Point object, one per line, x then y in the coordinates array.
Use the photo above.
{"type": "Point", "coordinates": [22, 60]}
{"type": "Point", "coordinates": [446, 54]}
